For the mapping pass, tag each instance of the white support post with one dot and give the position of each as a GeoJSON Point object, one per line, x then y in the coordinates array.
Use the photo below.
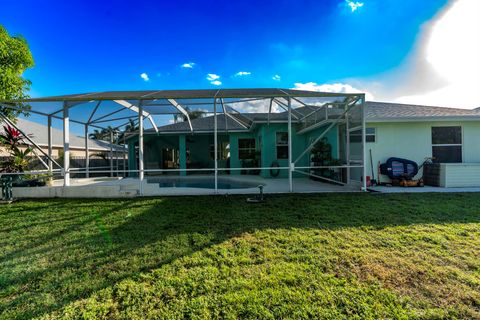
{"type": "Point", "coordinates": [66, 146]}
{"type": "Point", "coordinates": [87, 154]}
{"type": "Point", "coordinates": [364, 154]}
{"type": "Point", "coordinates": [124, 172]}
{"type": "Point", "coordinates": [290, 163]}
{"type": "Point", "coordinates": [111, 153]}
{"type": "Point", "coordinates": [347, 142]}
{"type": "Point", "coordinates": [215, 150]}
{"type": "Point", "coordinates": [50, 139]}
{"type": "Point", "coordinates": [140, 146]}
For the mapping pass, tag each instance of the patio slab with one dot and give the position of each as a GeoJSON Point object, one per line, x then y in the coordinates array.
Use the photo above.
{"type": "Point", "coordinates": [130, 187]}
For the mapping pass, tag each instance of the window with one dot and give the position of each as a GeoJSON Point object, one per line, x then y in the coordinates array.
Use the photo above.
{"type": "Point", "coordinates": [447, 144]}
{"type": "Point", "coordinates": [246, 148]}
{"type": "Point", "coordinates": [370, 135]}
{"type": "Point", "coordinates": [223, 150]}
{"type": "Point", "coordinates": [282, 145]}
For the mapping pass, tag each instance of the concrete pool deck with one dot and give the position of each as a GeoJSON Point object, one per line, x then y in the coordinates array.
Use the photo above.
{"type": "Point", "coordinates": [130, 187]}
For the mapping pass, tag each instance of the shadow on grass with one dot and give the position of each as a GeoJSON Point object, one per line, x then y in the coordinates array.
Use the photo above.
{"type": "Point", "coordinates": [60, 251]}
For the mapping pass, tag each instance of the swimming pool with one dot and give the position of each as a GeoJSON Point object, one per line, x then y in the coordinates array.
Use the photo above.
{"type": "Point", "coordinates": [204, 183]}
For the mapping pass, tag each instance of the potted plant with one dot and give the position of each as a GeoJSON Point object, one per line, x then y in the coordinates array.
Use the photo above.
{"type": "Point", "coordinates": [321, 156]}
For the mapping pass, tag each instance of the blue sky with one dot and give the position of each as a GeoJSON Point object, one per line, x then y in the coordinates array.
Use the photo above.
{"type": "Point", "coordinates": [82, 46]}
{"type": "Point", "coordinates": [410, 51]}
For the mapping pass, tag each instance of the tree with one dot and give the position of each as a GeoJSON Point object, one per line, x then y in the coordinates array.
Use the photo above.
{"type": "Point", "coordinates": [104, 134]}
{"type": "Point", "coordinates": [195, 114]}
{"type": "Point", "coordinates": [15, 58]}
{"type": "Point", "coordinates": [192, 114]}
{"type": "Point", "coordinates": [96, 135]}
{"type": "Point", "coordinates": [131, 127]}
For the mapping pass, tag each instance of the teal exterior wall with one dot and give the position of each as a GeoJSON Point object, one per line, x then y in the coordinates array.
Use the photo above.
{"type": "Point", "coordinates": [199, 147]}
{"type": "Point", "coordinates": [182, 147]}
{"type": "Point", "coordinates": [153, 146]}
{"type": "Point", "coordinates": [269, 150]}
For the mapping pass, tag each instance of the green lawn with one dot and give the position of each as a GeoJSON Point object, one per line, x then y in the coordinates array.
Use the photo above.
{"type": "Point", "coordinates": [328, 256]}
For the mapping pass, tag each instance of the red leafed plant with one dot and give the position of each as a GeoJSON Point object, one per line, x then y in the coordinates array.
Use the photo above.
{"type": "Point", "coordinates": [11, 136]}
{"type": "Point", "coordinates": [11, 139]}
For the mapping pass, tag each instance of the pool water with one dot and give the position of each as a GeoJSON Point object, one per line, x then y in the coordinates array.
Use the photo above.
{"type": "Point", "coordinates": [202, 183]}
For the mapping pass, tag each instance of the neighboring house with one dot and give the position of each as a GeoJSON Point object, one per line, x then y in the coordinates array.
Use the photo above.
{"type": "Point", "coordinates": [413, 132]}
{"type": "Point", "coordinates": [39, 134]}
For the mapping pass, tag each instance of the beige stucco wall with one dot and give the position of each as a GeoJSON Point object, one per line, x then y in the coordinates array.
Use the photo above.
{"type": "Point", "coordinates": [55, 152]}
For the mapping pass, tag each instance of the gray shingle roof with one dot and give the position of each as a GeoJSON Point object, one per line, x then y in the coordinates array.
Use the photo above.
{"type": "Point", "coordinates": [206, 124]}
{"type": "Point", "coordinates": [201, 124]}
{"type": "Point", "coordinates": [374, 111]}
{"type": "Point", "coordinates": [39, 134]}
{"type": "Point", "coordinates": [378, 111]}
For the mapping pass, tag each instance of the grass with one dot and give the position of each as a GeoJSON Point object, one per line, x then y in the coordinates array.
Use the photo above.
{"type": "Point", "coordinates": [333, 256]}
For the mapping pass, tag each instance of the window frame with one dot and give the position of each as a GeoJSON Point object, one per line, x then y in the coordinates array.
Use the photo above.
{"type": "Point", "coordinates": [250, 149]}
{"type": "Point", "coordinates": [283, 145]}
{"type": "Point", "coordinates": [374, 134]}
{"type": "Point", "coordinates": [359, 134]}
{"type": "Point", "coordinates": [433, 145]}
{"type": "Point", "coordinates": [223, 150]}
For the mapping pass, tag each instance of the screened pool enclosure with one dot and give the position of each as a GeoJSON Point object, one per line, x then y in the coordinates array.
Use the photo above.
{"type": "Point", "coordinates": [207, 141]}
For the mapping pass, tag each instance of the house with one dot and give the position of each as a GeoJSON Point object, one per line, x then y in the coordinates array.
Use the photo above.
{"type": "Point", "coordinates": [286, 140]}
{"type": "Point", "coordinates": [247, 140]}
{"type": "Point", "coordinates": [414, 132]}
{"type": "Point", "coordinates": [39, 134]}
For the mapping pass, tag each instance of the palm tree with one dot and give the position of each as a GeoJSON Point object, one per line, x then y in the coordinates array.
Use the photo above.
{"type": "Point", "coordinates": [96, 135]}
{"type": "Point", "coordinates": [109, 130]}
{"type": "Point", "coordinates": [129, 128]}
{"type": "Point", "coordinates": [104, 134]}
{"type": "Point", "coordinates": [195, 114]}
{"type": "Point", "coordinates": [192, 114]}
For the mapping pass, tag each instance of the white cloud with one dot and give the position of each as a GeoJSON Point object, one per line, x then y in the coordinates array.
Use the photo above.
{"type": "Point", "coordinates": [145, 77]}
{"type": "Point", "coordinates": [188, 65]}
{"type": "Point", "coordinates": [212, 77]}
{"type": "Point", "coordinates": [252, 106]}
{"type": "Point", "coordinates": [354, 5]}
{"type": "Point", "coordinates": [277, 77]}
{"type": "Point", "coordinates": [242, 73]}
{"type": "Point", "coordinates": [450, 50]}
{"type": "Point", "coordinates": [331, 87]}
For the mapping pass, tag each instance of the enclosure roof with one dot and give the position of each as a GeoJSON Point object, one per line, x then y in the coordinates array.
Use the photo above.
{"type": "Point", "coordinates": [187, 94]}
{"type": "Point", "coordinates": [384, 111]}
{"type": "Point", "coordinates": [206, 124]}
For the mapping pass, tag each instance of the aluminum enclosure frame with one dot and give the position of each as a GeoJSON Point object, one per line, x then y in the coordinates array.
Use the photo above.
{"type": "Point", "coordinates": [137, 101]}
